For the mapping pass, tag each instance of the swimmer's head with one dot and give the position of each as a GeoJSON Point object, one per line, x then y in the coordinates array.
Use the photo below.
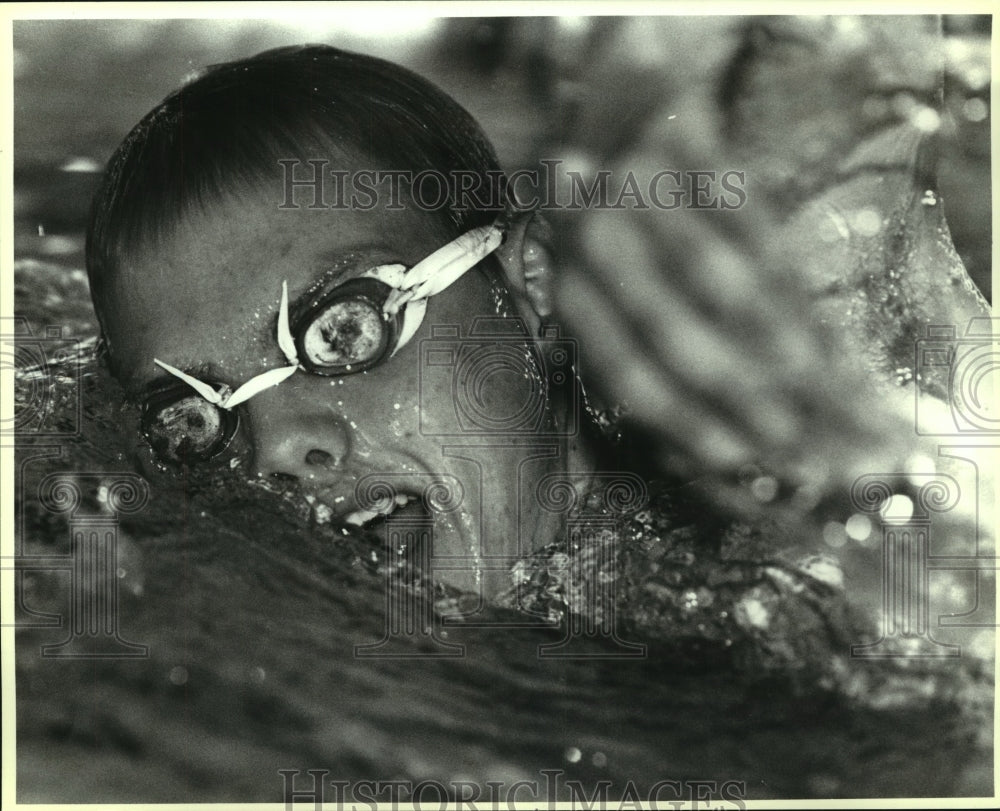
{"type": "Point", "coordinates": [228, 132]}
{"type": "Point", "coordinates": [196, 232]}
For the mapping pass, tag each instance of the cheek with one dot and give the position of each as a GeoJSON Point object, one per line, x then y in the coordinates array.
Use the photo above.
{"type": "Point", "coordinates": [383, 403]}
{"type": "Point", "coordinates": [480, 385]}
{"type": "Point", "coordinates": [497, 388]}
{"type": "Point", "coordinates": [443, 383]}
{"type": "Point", "coordinates": [473, 295]}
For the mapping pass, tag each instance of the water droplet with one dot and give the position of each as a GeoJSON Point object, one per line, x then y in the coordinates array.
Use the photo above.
{"type": "Point", "coordinates": [974, 110]}
{"type": "Point", "coordinates": [834, 534]}
{"type": "Point", "coordinates": [858, 527]}
{"type": "Point", "coordinates": [897, 510]}
{"type": "Point", "coordinates": [926, 119]}
{"type": "Point", "coordinates": [764, 488]}
{"type": "Point", "coordinates": [322, 514]}
{"type": "Point", "coordinates": [573, 755]}
{"type": "Point", "coordinates": [754, 612]}
{"type": "Point", "coordinates": [824, 569]}
{"type": "Point", "coordinates": [178, 675]}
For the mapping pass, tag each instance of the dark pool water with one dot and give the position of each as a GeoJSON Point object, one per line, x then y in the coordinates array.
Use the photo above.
{"type": "Point", "coordinates": [252, 612]}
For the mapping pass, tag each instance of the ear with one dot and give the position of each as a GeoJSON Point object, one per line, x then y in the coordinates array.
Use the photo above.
{"type": "Point", "coordinates": [526, 258]}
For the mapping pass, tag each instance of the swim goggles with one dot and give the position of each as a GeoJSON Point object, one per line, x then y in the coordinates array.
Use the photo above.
{"type": "Point", "coordinates": [353, 327]}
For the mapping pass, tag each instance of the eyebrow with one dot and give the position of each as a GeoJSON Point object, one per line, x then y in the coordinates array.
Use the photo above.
{"type": "Point", "coordinates": [339, 265]}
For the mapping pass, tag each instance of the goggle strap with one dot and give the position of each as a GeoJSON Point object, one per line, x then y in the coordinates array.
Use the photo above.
{"type": "Point", "coordinates": [206, 391]}
{"type": "Point", "coordinates": [255, 385]}
{"type": "Point", "coordinates": [445, 266]}
{"type": "Point", "coordinates": [391, 275]}
{"type": "Point", "coordinates": [413, 317]}
{"type": "Point", "coordinates": [285, 340]}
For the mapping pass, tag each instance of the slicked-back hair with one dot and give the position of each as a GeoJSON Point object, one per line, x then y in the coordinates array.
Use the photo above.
{"type": "Point", "coordinates": [227, 130]}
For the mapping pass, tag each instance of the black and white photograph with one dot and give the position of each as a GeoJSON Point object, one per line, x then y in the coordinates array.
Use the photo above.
{"type": "Point", "coordinates": [497, 405]}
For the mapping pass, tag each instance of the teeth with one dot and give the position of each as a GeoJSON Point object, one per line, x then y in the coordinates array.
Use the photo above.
{"type": "Point", "coordinates": [361, 517]}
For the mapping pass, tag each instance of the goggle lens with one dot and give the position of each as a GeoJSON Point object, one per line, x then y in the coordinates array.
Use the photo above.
{"type": "Point", "coordinates": [346, 331]}
{"type": "Point", "coordinates": [184, 429]}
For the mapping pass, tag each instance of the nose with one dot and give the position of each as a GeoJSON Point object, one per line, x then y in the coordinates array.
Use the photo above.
{"type": "Point", "coordinates": [310, 445]}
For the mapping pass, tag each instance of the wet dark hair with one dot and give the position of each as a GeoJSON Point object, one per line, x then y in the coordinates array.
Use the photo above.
{"type": "Point", "coordinates": [228, 129]}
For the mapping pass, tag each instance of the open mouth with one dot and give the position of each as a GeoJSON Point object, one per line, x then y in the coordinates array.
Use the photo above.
{"type": "Point", "coordinates": [411, 526]}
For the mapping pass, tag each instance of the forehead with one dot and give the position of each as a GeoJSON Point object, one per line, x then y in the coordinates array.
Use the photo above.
{"type": "Point", "coordinates": [210, 290]}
